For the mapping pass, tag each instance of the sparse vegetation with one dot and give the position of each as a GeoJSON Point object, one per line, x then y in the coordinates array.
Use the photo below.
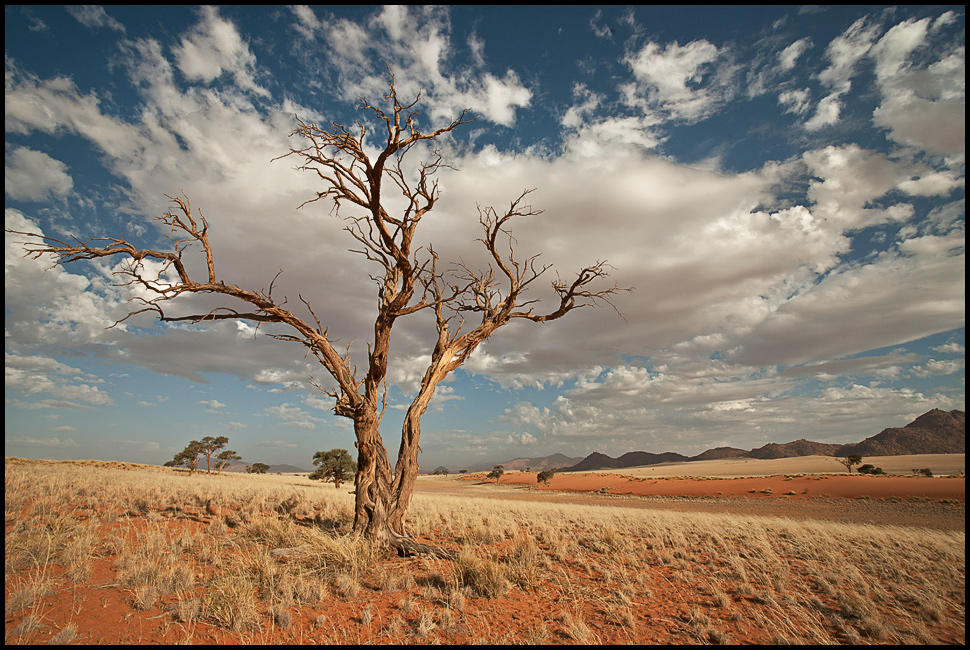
{"type": "Point", "coordinates": [241, 558]}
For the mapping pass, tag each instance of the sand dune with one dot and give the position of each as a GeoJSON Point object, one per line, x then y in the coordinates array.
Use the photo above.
{"type": "Point", "coordinates": [941, 464]}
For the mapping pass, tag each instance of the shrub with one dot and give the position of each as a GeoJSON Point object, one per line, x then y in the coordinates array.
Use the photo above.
{"type": "Point", "coordinates": [485, 577]}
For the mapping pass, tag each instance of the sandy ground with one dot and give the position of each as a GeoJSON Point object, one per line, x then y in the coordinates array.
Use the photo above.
{"type": "Point", "coordinates": [125, 565]}
{"type": "Point", "coordinates": [940, 464]}
{"type": "Point", "coordinates": [806, 486]}
{"type": "Point", "coordinates": [783, 487]}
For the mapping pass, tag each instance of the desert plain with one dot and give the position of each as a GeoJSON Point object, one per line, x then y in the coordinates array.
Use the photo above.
{"type": "Point", "coordinates": [705, 552]}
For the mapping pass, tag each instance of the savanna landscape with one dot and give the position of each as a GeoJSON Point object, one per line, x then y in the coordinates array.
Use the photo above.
{"type": "Point", "coordinates": [112, 553]}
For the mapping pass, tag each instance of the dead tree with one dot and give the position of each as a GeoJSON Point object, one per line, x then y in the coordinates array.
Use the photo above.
{"type": "Point", "coordinates": [468, 304]}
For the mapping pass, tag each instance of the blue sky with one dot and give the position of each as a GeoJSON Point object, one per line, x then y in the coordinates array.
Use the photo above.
{"type": "Point", "coordinates": [784, 188]}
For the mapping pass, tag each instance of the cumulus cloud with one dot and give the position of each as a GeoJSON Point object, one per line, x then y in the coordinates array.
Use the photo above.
{"type": "Point", "coordinates": [214, 47]}
{"type": "Point", "coordinates": [788, 57]}
{"type": "Point", "coordinates": [877, 305]}
{"type": "Point", "coordinates": [418, 41]}
{"type": "Point", "coordinates": [33, 175]}
{"type": "Point", "coordinates": [34, 375]}
{"type": "Point", "coordinates": [681, 82]}
{"type": "Point", "coordinates": [843, 53]}
{"type": "Point", "coordinates": [293, 416]}
{"type": "Point", "coordinates": [924, 107]}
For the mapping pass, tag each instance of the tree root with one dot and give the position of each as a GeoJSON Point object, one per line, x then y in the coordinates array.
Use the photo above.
{"type": "Point", "coordinates": [406, 546]}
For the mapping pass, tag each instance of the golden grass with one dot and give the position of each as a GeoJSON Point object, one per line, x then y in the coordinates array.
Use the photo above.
{"type": "Point", "coordinates": [198, 550]}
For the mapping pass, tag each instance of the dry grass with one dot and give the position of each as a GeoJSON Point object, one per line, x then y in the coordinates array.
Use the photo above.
{"type": "Point", "coordinates": [190, 558]}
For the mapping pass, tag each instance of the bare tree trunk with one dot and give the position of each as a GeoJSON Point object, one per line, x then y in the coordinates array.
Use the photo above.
{"type": "Point", "coordinates": [373, 477]}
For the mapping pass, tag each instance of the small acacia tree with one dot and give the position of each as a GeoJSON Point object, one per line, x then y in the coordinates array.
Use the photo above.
{"type": "Point", "coordinates": [850, 460]}
{"type": "Point", "coordinates": [257, 468]}
{"type": "Point", "coordinates": [188, 457]}
{"type": "Point", "coordinates": [356, 169]}
{"type": "Point", "coordinates": [224, 458]}
{"type": "Point", "coordinates": [546, 476]}
{"type": "Point", "coordinates": [211, 445]}
{"type": "Point", "coordinates": [335, 465]}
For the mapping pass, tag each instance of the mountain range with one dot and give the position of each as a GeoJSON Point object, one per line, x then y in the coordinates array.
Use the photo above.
{"type": "Point", "coordinates": [238, 467]}
{"type": "Point", "coordinates": [934, 432]}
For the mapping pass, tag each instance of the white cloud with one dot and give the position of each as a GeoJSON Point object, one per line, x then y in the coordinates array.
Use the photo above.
{"type": "Point", "coordinates": [94, 16]}
{"type": "Point", "coordinates": [788, 57]}
{"type": "Point", "coordinates": [681, 82]}
{"type": "Point", "coordinates": [924, 107]}
{"type": "Point", "coordinates": [950, 348]}
{"type": "Point", "coordinates": [849, 179]}
{"type": "Point", "coordinates": [293, 416]}
{"type": "Point", "coordinates": [35, 375]}
{"type": "Point", "coordinates": [844, 53]}
{"type": "Point", "coordinates": [30, 441]}
{"type": "Point", "coordinates": [524, 439]}
{"type": "Point", "coordinates": [846, 50]}
{"type": "Point", "coordinates": [934, 368]}
{"type": "Point", "coordinates": [891, 301]}
{"type": "Point", "coordinates": [33, 175]}
{"type": "Point", "coordinates": [417, 43]}
{"type": "Point", "coordinates": [277, 444]}
{"type": "Point", "coordinates": [214, 47]}
{"type": "Point", "coordinates": [794, 101]}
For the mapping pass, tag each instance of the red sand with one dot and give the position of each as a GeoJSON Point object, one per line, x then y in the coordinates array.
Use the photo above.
{"type": "Point", "coordinates": [825, 485]}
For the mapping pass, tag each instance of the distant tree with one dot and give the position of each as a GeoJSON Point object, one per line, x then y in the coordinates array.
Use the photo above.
{"type": "Point", "coordinates": [210, 446]}
{"type": "Point", "coordinates": [335, 465]}
{"type": "Point", "coordinates": [224, 458]}
{"type": "Point", "coordinates": [463, 471]}
{"type": "Point", "coordinates": [188, 457]}
{"type": "Point", "coordinates": [546, 476]}
{"type": "Point", "coordinates": [257, 468]}
{"type": "Point", "coordinates": [496, 473]}
{"type": "Point", "coordinates": [440, 472]}
{"type": "Point", "coordinates": [850, 460]}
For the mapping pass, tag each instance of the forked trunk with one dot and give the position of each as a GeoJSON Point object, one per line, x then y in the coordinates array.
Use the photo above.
{"type": "Point", "coordinates": [382, 501]}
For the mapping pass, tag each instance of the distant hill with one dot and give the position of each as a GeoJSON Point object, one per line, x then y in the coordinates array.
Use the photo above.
{"type": "Point", "coordinates": [794, 449]}
{"type": "Point", "coordinates": [934, 432]}
{"type": "Point", "coordinates": [629, 459]}
{"type": "Point", "coordinates": [720, 453]}
{"type": "Point", "coordinates": [538, 464]}
{"type": "Point", "coordinates": [238, 467]}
